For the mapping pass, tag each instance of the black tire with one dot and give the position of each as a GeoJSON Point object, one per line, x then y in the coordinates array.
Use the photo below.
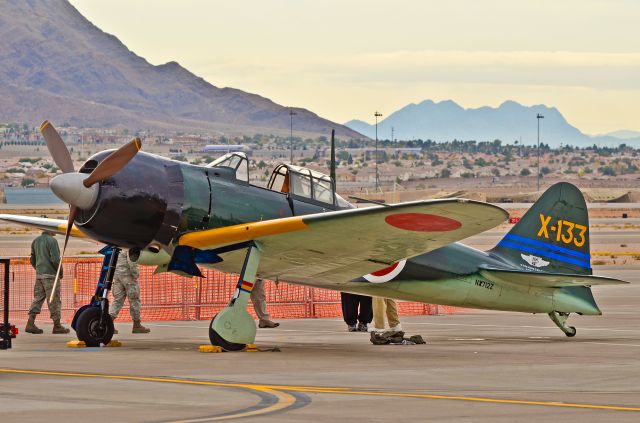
{"type": "Point", "coordinates": [88, 330]}
{"type": "Point", "coordinates": [219, 341]}
{"type": "Point", "coordinates": [77, 314]}
{"type": "Point", "coordinates": [572, 332]}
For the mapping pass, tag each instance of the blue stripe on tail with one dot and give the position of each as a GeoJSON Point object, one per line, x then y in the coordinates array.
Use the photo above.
{"type": "Point", "coordinates": [556, 248]}
{"type": "Point", "coordinates": [546, 254]}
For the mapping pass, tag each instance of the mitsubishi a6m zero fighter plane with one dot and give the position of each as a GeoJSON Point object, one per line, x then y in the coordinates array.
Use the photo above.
{"type": "Point", "coordinates": [177, 216]}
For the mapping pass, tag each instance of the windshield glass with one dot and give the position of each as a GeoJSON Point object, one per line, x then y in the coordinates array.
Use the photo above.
{"type": "Point", "coordinates": [322, 190]}
{"type": "Point", "coordinates": [237, 161]}
{"type": "Point", "coordinates": [301, 184]}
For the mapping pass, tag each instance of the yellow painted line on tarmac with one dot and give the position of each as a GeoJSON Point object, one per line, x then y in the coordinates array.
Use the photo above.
{"type": "Point", "coordinates": [615, 253]}
{"type": "Point", "coordinates": [492, 400]}
{"type": "Point", "coordinates": [286, 400]}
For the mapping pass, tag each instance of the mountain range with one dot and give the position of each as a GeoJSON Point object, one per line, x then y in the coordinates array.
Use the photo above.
{"type": "Point", "coordinates": [56, 65]}
{"type": "Point", "coordinates": [510, 122]}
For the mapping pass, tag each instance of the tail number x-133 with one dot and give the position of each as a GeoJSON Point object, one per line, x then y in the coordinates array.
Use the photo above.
{"type": "Point", "coordinates": [567, 237]}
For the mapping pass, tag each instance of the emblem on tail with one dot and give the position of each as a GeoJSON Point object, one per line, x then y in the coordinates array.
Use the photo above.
{"type": "Point", "coordinates": [534, 261]}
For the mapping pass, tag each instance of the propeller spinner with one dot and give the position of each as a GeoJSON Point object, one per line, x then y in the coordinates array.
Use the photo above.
{"type": "Point", "coordinates": [77, 189]}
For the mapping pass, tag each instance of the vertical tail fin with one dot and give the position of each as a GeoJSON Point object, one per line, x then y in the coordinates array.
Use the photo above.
{"type": "Point", "coordinates": [553, 235]}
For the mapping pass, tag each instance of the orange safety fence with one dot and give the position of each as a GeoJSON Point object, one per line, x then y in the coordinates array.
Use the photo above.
{"type": "Point", "coordinates": [167, 296]}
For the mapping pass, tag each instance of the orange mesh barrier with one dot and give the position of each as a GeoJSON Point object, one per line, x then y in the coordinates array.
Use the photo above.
{"type": "Point", "coordinates": [167, 296]}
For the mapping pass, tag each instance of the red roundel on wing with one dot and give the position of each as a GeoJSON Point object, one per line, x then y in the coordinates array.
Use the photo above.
{"type": "Point", "coordinates": [421, 222]}
{"type": "Point", "coordinates": [386, 270]}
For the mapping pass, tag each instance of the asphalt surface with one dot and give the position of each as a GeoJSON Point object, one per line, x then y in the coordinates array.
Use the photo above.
{"type": "Point", "coordinates": [12, 245]}
{"type": "Point", "coordinates": [476, 367]}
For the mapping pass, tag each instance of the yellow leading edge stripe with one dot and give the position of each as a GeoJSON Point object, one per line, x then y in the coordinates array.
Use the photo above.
{"type": "Point", "coordinates": [319, 390]}
{"type": "Point", "coordinates": [240, 233]}
{"type": "Point", "coordinates": [74, 230]}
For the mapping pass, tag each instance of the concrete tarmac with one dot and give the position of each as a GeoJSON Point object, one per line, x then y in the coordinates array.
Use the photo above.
{"type": "Point", "coordinates": [479, 366]}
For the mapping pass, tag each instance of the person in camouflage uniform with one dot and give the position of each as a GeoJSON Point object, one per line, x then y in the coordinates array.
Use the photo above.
{"type": "Point", "coordinates": [45, 258]}
{"type": "Point", "coordinates": [126, 284]}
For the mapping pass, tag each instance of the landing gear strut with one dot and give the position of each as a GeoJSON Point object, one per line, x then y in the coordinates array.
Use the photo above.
{"type": "Point", "coordinates": [560, 320]}
{"type": "Point", "coordinates": [92, 322]}
{"type": "Point", "coordinates": [234, 327]}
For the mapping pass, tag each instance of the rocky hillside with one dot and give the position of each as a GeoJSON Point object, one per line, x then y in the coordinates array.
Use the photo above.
{"type": "Point", "coordinates": [55, 64]}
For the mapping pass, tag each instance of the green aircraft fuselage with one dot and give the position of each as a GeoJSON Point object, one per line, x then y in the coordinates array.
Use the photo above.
{"type": "Point", "coordinates": [181, 198]}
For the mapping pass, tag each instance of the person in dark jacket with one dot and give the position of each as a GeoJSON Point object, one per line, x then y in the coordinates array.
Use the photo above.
{"type": "Point", "coordinates": [45, 258]}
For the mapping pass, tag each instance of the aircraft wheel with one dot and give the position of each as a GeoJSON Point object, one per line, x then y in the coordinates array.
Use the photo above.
{"type": "Point", "coordinates": [219, 341]}
{"type": "Point", "coordinates": [88, 328]}
{"type": "Point", "coordinates": [572, 332]}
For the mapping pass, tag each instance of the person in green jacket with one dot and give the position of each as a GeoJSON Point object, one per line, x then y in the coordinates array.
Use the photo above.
{"type": "Point", "coordinates": [45, 258]}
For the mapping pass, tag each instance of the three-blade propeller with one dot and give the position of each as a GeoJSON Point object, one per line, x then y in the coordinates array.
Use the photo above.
{"type": "Point", "coordinates": [108, 167]}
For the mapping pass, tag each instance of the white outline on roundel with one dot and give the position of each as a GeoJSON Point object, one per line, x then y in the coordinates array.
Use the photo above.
{"type": "Point", "coordinates": [388, 276]}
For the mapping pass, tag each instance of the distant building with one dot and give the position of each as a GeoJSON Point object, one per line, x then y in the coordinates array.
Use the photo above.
{"type": "Point", "coordinates": [408, 150]}
{"type": "Point", "coordinates": [225, 148]}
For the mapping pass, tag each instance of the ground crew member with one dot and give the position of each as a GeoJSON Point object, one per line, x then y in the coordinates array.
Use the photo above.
{"type": "Point", "coordinates": [357, 312]}
{"type": "Point", "coordinates": [126, 284]}
{"type": "Point", "coordinates": [45, 258]}
{"type": "Point", "coordinates": [388, 307]}
{"type": "Point", "coordinates": [259, 300]}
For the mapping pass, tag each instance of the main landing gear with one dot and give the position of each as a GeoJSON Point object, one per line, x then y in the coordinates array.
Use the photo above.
{"type": "Point", "coordinates": [560, 319]}
{"type": "Point", "coordinates": [233, 328]}
{"type": "Point", "coordinates": [92, 322]}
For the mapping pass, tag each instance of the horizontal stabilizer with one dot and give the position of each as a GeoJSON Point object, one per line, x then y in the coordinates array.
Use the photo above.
{"type": "Point", "coordinates": [546, 280]}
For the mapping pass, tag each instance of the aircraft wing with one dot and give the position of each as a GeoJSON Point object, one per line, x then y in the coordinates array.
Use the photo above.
{"type": "Point", "coordinates": [546, 280]}
{"type": "Point", "coordinates": [58, 226]}
{"type": "Point", "coordinates": [343, 245]}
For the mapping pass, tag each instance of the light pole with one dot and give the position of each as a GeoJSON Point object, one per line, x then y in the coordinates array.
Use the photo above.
{"type": "Point", "coordinates": [539, 116]}
{"type": "Point", "coordinates": [291, 115]}
{"type": "Point", "coordinates": [377, 115]}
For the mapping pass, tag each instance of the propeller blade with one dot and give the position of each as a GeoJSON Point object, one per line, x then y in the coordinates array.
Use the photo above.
{"type": "Point", "coordinates": [56, 146]}
{"type": "Point", "coordinates": [114, 162]}
{"type": "Point", "coordinates": [72, 216]}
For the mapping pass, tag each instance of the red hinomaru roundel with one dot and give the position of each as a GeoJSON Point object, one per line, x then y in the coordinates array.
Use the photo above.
{"type": "Point", "coordinates": [422, 222]}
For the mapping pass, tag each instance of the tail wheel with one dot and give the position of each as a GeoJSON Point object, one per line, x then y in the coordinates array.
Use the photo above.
{"type": "Point", "coordinates": [89, 330]}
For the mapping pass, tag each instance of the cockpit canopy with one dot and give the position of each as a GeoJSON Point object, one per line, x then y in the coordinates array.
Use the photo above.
{"type": "Point", "coordinates": [305, 183]}
{"type": "Point", "coordinates": [237, 161]}
{"type": "Point", "coordinates": [300, 182]}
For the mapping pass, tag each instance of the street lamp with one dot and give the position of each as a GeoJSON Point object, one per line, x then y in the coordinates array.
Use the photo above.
{"type": "Point", "coordinates": [291, 115]}
{"type": "Point", "coordinates": [539, 116]}
{"type": "Point", "coordinates": [377, 115]}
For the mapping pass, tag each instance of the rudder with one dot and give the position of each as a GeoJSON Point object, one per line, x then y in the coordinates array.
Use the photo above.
{"type": "Point", "coordinates": [552, 236]}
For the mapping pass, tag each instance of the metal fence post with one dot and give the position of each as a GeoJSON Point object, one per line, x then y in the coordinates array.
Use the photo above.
{"type": "Point", "coordinates": [5, 339]}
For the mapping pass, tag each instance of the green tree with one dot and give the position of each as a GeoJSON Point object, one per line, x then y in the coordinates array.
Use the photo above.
{"type": "Point", "coordinates": [27, 181]}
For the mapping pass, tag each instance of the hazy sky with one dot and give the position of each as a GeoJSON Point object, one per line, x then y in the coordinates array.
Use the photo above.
{"type": "Point", "coordinates": [344, 59]}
